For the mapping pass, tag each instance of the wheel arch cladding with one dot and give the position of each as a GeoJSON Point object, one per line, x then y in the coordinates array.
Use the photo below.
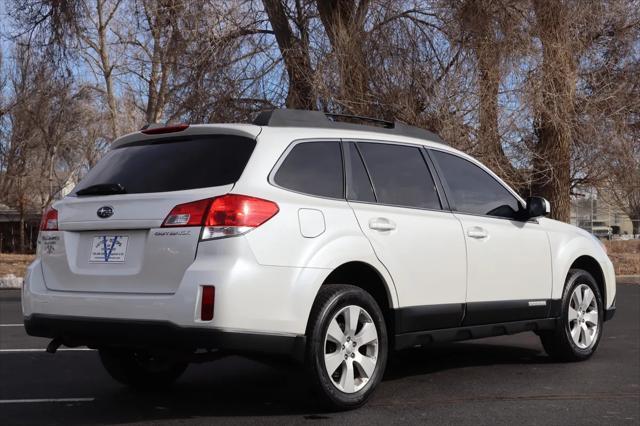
{"type": "Point", "coordinates": [592, 266]}
{"type": "Point", "coordinates": [365, 276]}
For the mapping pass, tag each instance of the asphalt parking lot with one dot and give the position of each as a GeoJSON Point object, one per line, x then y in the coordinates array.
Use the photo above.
{"type": "Point", "coordinates": [504, 380]}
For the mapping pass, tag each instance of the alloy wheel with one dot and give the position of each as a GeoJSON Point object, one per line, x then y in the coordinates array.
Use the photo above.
{"type": "Point", "coordinates": [583, 316]}
{"type": "Point", "coordinates": [351, 349]}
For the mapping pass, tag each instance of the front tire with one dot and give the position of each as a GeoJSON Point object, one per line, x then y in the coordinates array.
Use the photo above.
{"type": "Point", "coordinates": [579, 327]}
{"type": "Point", "coordinates": [142, 368]}
{"type": "Point", "coordinates": [347, 346]}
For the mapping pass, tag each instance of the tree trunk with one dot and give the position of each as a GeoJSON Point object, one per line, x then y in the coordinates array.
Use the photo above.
{"type": "Point", "coordinates": [21, 234]}
{"type": "Point", "coordinates": [106, 68]}
{"type": "Point", "coordinates": [343, 21]}
{"type": "Point", "coordinates": [489, 85]}
{"type": "Point", "coordinates": [489, 61]}
{"type": "Point", "coordinates": [294, 50]}
{"type": "Point", "coordinates": [480, 20]}
{"type": "Point", "coordinates": [555, 113]}
{"type": "Point", "coordinates": [151, 113]}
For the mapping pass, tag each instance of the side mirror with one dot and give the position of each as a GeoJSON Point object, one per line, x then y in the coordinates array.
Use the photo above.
{"type": "Point", "coordinates": [537, 206]}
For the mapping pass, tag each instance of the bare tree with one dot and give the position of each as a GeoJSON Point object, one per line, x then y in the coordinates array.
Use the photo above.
{"type": "Point", "coordinates": [81, 27]}
{"type": "Point", "coordinates": [543, 91]}
{"type": "Point", "coordinates": [554, 111]}
{"type": "Point", "coordinates": [47, 118]}
{"type": "Point", "coordinates": [159, 47]}
{"type": "Point", "coordinates": [492, 31]}
{"type": "Point", "coordinates": [344, 24]}
{"type": "Point", "coordinates": [294, 47]}
{"type": "Point", "coordinates": [623, 184]}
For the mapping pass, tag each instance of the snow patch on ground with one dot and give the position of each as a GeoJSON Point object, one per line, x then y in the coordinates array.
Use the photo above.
{"type": "Point", "coordinates": [10, 281]}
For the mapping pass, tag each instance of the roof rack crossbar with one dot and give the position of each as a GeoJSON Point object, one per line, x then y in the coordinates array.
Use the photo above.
{"type": "Point", "coordinates": [304, 118]}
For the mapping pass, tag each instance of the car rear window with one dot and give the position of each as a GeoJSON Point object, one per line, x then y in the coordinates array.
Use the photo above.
{"type": "Point", "coordinates": [173, 164]}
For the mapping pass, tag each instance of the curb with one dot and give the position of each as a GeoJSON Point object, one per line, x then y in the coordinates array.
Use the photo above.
{"type": "Point", "coordinates": [627, 279]}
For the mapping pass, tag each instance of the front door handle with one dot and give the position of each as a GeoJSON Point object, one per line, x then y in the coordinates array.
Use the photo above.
{"type": "Point", "coordinates": [381, 224]}
{"type": "Point", "coordinates": [477, 232]}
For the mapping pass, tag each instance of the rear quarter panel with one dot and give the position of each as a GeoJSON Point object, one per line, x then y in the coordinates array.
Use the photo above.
{"type": "Point", "coordinates": [280, 241]}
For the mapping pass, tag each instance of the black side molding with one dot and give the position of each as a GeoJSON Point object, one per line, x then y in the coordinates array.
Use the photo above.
{"type": "Point", "coordinates": [421, 338]}
{"type": "Point", "coordinates": [480, 313]}
{"type": "Point", "coordinates": [428, 317]}
{"type": "Point", "coordinates": [450, 315]}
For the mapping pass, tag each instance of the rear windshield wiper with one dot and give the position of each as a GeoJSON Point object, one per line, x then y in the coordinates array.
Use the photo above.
{"type": "Point", "coordinates": [103, 189]}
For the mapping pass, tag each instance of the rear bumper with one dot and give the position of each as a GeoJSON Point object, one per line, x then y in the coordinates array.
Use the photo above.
{"type": "Point", "coordinates": [98, 332]}
{"type": "Point", "coordinates": [249, 297]}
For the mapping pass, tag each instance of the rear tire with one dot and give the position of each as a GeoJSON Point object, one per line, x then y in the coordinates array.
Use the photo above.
{"type": "Point", "coordinates": [347, 345]}
{"type": "Point", "coordinates": [141, 368]}
{"type": "Point", "coordinates": [579, 327]}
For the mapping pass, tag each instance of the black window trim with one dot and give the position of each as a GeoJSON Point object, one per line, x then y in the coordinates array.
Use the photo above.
{"type": "Point", "coordinates": [433, 169]}
{"type": "Point", "coordinates": [482, 167]}
{"type": "Point", "coordinates": [347, 166]}
{"type": "Point", "coordinates": [444, 205]}
{"type": "Point", "coordinates": [283, 156]}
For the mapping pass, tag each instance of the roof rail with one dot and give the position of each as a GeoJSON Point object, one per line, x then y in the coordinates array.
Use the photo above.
{"type": "Point", "coordinates": [304, 118]}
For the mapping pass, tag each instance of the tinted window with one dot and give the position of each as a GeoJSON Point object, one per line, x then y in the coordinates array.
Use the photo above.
{"type": "Point", "coordinates": [173, 164]}
{"type": "Point", "coordinates": [358, 183]}
{"type": "Point", "coordinates": [400, 175]}
{"type": "Point", "coordinates": [313, 168]}
{"type": "Point", "coordinates": [473, 190]}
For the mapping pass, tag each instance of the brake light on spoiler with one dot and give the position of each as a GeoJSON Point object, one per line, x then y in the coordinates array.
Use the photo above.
{"type": "Point", "coordinates": [224, 216]}
{"type": "Point", "coordinates": [159, 130]}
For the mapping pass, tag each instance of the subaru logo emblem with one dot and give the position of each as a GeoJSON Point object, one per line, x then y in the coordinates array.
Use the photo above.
{"type": "Point", "coordinates": [105, 212]}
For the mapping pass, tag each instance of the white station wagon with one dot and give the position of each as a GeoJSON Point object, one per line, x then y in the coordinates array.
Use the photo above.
{"type": "Point", "coordinates": [304, 236]}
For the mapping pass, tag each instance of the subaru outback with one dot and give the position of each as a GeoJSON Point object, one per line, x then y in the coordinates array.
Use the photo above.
{"type": "Point", "coordinates": [328, 242]}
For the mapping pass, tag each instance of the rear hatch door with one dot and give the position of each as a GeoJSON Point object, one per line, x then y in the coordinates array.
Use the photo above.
{"type": "Point", "coordinates": [110, 236]}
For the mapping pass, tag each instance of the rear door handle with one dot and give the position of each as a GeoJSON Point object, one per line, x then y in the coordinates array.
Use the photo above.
{"type": "Point", "coordinates": [477, 232]}
{"type": "Point", "coordinates": [381, 224]}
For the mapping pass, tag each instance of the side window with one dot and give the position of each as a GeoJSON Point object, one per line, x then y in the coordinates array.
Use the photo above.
{"type": "Point", "coordinates": [400, 175]}
{"type": "Point", "coordinates": [473, 190]}
{"type": "Point", "coordinates": [358, 183]}
{"type": "Point", "coordinates": [313, 168]}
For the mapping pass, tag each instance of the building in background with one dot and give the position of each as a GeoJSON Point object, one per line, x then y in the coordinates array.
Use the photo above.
{"type": "Point", "coordinates": [597, 213]}
{"type": "Point", "coordinates": [10, 230]}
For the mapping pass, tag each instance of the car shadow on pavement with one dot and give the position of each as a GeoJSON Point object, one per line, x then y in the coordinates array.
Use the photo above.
{"type": "Point", "coordinates": [440, 357]}
{"type": "Point", "coordinates": [241, 388]}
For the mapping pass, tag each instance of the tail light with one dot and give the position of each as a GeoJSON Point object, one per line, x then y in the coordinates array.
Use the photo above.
{"type": "Point", "coordinates": [49, 220]}
{"type": "Point", "coordinates": [223, 216]}
{"type": "Point", "coordinates": [189, 214]}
